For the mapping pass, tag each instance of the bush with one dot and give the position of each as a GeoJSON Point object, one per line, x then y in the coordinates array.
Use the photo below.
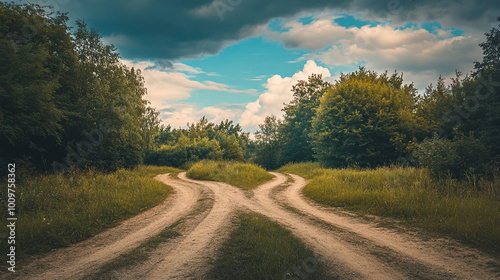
{"type": "Point", "coordinates": [455, 158]}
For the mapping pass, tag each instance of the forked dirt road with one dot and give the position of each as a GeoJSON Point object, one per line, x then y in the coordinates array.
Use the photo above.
{"type": "Point", "coordinates": [349, 246]}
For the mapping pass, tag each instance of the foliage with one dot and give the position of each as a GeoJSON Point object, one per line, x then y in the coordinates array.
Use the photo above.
{"type": "Point", "coordinates": [203, 140]}
{"type": "Point", "coordinates": [268, 143]}
{"type": "Point", "coordinates": [36, 58]}
{"type": "Point", "coordinates": [262, 249]}
{"type": "Point", "coordinates": [364, 119]}
{"type": "Point", "coordinates": [296, 128]}
{"type": "Point", "coordinates": [67, 100]}
{"type": "Point", "coordinates": [78, 205]}
{"type": "Point", "coordinates": [243, 175]}
{"type": "Point", "coordinates": [456, 158]}
{"type": "Point", "coordinates": [487, 93]}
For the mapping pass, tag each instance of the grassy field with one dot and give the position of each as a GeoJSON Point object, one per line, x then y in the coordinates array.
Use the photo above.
{"type": "Point", "coordinates": [467, 210]}
{"type": "Point", "coordinates": [55, 212]}
{"type": "Point", "coordinates": [262, 249]}
{"type": "Point", "coordinates": [243, 175]}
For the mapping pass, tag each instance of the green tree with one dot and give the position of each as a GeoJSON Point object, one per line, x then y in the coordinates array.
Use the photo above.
{"type": "Point", "coordinates": [364, 119]}
{"type": "Point", "coordinates": [36, 61]}
{"type": "Point", "coordinates": [486, 95]}
{"type": "Point", "coordinates": [297, 124]}
{"type": "Point", "coordinates": [267, 140]}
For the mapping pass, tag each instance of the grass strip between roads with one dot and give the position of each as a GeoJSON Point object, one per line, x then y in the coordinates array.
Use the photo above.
{"type": "Point", "coordinates": [452, 207]}
{"type": "Point", "coordinates": [262, 249]}
{"type": "Point", "coordinates": [57, 211]}
{"type": "Point", "coordinates": [243, 175]}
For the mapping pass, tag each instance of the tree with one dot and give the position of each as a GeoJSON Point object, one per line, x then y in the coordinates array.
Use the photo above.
{"type": "Point", "coordinates": [268, 143]}
{"type": "Point", "coordinates": [297, 125]}
{"type": "Point", "coordinates": [365, 119]}
{"type": "Point", "coordinates": [36, 60]}
{"type": "Point", "coordinates": [107, 92]}
{"type": "Point", "coordinates": [486, 94]}
{"type": "Point", "coordinates": [201, 140]}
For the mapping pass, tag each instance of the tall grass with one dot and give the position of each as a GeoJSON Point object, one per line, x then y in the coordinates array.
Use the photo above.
{"type": "Point", "coordinates": [56, 211]}
{"type": "Point", "coordinates": [243, 175]}
{"type": "Point", "coordinates": [456, 208]}
{"type": "Point", "coordinates": [262, 249]}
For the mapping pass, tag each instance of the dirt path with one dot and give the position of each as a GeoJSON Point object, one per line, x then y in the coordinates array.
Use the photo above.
{"type": "Point", "coordinates": [85, 257]}
{"type": "Point", "coordinates": [414, 256]}
{"type": "Point", "coordinates": [351, 247]}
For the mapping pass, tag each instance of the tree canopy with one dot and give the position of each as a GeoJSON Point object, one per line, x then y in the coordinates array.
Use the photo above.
{"type": "Point", "coordinates": [364, 119]}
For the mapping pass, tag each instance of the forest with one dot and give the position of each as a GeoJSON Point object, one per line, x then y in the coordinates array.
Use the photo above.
{"type": "Point", "coordinates": [68, 103]}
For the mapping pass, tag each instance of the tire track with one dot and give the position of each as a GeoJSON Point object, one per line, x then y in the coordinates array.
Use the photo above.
{"type": "Point", "coordinates": [190, 257]}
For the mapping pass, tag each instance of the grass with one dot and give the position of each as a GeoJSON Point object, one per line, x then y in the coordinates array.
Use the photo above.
{"type": "Point", "coordinates": [262, 249]}
{"type": "Point", "coordinates": [243, 175]}
{"type": "Point", "coordinates": [455, 208]}
{"type": "Point", "coordinates": [56, 211]}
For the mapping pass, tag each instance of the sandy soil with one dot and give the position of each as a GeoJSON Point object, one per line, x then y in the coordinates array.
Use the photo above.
{"type": "Point", "coordinates": [351, 247]}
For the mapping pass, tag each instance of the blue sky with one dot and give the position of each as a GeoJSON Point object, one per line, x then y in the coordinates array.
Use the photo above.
{"type": "Point", "coordinates": [239, 59]}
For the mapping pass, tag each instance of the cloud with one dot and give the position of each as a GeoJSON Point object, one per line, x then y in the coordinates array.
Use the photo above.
{"type": "Point", "coordinates": [411, 50]}
{"type": "Point", "coordinates": [279, 91]}
{"type": "Point", "coordinates": [171, 30]}
{"type": "Point", "coordinates": [315, 36]}
{"type": "Point", "coordinates": [179, 114]}
{"type": "Point", "coordinates": [167, 86]}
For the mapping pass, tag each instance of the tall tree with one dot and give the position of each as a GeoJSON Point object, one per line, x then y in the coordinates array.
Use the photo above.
{"type": "Point", "coordinates": [268, 143]}
{"type": "Point", "coordinates": [36, 60]}
{"type": "Point", "coordinates": [364, 119]}
{"type": "Point", "coordinates": [297, 124]}
{"type": "Point", "coordinates": [487, 93]}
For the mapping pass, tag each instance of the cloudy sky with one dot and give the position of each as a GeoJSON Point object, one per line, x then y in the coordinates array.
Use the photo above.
{"type": "Point", "coordinates": [238, 59]}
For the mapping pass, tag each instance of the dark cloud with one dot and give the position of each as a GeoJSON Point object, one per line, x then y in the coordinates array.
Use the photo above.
{"type": "Point", "coordinates": [168, 30]}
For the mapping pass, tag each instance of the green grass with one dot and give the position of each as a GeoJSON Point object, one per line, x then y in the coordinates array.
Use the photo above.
{"type": "Point", "coordinates": [455, 208]}
{"type": "Point", "coordinates": [243, 175]}
{"type": "Point", "coordinates": [262, 249]}
{"type": "Point", "coordinates": [307, 170]}
{"type": "Point", "coordinates": [56, 211]}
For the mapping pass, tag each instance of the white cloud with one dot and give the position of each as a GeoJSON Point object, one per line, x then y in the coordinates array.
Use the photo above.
{"type": "Point", "coordinates": [418, 53]}
{"type": "Point", "coordinates": [179, 114]}
{"type": "Point", "coordinates": [279, 91]}
{"type": "Point", "coordinates": [167, 88]}
{"type": "Point", "coordinates": [317, 35]}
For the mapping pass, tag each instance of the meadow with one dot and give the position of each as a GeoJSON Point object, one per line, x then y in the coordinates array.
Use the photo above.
{"type": "Point", "coordinates": [465, 209]}
{"type": "Point", "coordinates": [259, 248]}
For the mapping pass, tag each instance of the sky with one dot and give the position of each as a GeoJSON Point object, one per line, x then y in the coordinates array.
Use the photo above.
{"type": "Point", "coordinates": [238, 59]}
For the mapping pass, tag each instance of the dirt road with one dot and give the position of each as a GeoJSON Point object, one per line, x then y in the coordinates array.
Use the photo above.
{"type": "Point", "coordinates": [351, 247]}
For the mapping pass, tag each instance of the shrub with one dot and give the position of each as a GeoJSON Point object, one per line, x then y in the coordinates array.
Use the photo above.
{"type": "Point", "coordinates": [455, 158]}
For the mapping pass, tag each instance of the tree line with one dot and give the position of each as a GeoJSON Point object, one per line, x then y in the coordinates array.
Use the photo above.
{"type": "Point", "coordinates": [67, 102]}
{"type": "Point", "coordinates": [367, 119]}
